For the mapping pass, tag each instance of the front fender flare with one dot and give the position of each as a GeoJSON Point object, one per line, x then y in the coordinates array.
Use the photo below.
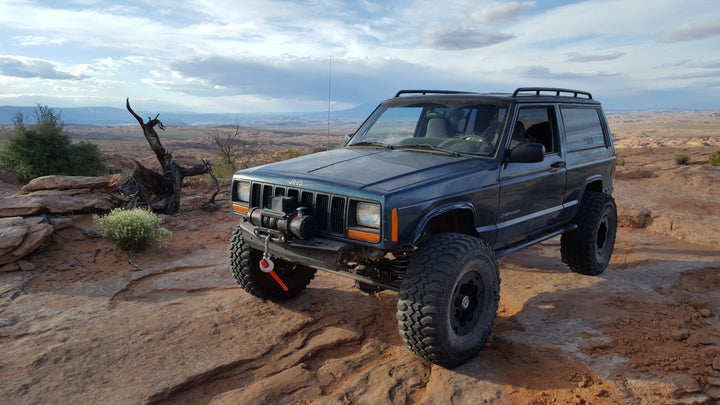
{"type": "Point", "coordinates": [437, 211]}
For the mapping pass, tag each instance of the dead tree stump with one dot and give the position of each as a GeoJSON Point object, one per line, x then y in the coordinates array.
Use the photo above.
{"type": "Point", "coordinates": [162, 191]}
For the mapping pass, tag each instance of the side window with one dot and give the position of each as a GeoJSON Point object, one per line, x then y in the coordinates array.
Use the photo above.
{"type": "Point", "coordinates": [583, 129]}
{"type": "Point", "coordinates": [536, 124]}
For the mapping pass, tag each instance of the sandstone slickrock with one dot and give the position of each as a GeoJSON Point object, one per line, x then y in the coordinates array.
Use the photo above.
{"type": "Point", "coordinates": [12, 232]}
{"type": "Point", "coordinates": [23, 229]}
{"type": "Point", "coordinates": [59, 202]}
{"type": "Point", "coordinates": [73, 182]}
{"type": "Point", "coordinates": [24, 235]}
{"type": "Point", "coordinates": [64, 195]}
{"type": "Point", "coordinates": [714, 381]}
{"type": "Point", "coordinates": [634, 217]}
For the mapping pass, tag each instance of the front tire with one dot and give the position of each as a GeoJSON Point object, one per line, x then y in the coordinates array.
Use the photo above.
{"type": "Point", "coordinates": [245, 264]}
{"type": "Point", "coordinates": [448, 299]}
{"type": "Point", "coordinates": [587, 249]}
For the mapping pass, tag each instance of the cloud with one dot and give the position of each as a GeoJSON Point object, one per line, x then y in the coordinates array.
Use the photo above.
{"type": "Point", "coordinates": [458, 39]}
{"type": "Point", "coordinates": [691, 32]}
{"type": "Point", "coordinates": [501, 12]}
{"type": "Point", "coordinates": [353, 80]}
{"type": "Point", "coordinates": [579, 57]}
{"type": "Point", "coordinates": [712, 74]}
{"type": "Point", "coordinates": [288, 76]}
{"type": "Point", "coordinates": [37, 40]}
{"type": "Point", "coordinates": [27, 68]}
{"type": "Point", "coordinates": [707, 64]}
{"type": "Point", "coordinates": [542, 72]}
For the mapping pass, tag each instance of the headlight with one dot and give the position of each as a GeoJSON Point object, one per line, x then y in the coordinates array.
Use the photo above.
{"type": "Point", "coordinates": [368, 214]}
{"type": "Point", "coordinates": [243, 191]}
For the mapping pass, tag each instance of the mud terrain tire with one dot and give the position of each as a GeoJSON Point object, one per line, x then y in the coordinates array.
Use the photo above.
{"type": "Point", "coordinates": [448, 299]}
{"type": "Point", "coordinates": [587, 249]}
{"type": "Point", "coordinates": [245, 263]}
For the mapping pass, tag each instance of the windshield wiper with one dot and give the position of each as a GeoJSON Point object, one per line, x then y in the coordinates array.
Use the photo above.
{"type": "Point", "coordinates": [368, 143]}
{"type": "Point", "coordinates": [425, 146]}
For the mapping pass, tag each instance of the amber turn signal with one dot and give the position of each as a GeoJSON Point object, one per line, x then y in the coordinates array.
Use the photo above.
{"type": "Point", "coordinates": [240, 208]}
{"type": "Point", "coordinates": [362, 235]}
{"type": "Point", "coordinates": [394, 226]}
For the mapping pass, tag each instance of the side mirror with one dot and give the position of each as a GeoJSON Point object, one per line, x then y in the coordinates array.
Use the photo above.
{"type": "Point", "coordinates": [527, 153]}
{"type": "Point", "coordinates": [348, 137]}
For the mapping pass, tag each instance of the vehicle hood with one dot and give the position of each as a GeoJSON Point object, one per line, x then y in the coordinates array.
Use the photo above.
{"type": "Point", "coordinates": [371, 169]}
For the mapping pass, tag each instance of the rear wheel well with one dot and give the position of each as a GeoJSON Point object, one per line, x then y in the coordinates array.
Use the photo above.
{"type": "Point", "coordinates": [595, 186]}
{"type": "Point", "coordinates": [456, 221]}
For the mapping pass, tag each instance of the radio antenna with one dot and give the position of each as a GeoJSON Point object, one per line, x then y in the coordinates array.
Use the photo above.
{"type": "Point", "coordinates": [329, 99]}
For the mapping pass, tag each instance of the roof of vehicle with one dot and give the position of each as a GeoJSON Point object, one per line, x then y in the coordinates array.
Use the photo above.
{"type": "Point", "coordinates": [521, 94]}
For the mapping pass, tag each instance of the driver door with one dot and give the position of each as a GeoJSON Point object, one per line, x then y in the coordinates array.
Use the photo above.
{"type": "Point", "coordinates": [531, 194]}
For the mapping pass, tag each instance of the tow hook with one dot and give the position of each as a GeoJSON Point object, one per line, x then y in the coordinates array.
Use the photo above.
{"type": "Point", "coordinates": [267, 265]}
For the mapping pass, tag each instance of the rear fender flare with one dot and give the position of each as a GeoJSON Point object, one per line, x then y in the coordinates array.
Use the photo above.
{"type": "Point", "coordinates": [588, 186]}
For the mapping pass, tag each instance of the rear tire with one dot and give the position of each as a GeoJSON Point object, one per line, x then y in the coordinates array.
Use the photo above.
{"type": "Point", "coordinates": [587, 249]}
{"type": "Point", "coordinates": [448, 299]}
{"type": "Point", "coordinates": [245, 264]}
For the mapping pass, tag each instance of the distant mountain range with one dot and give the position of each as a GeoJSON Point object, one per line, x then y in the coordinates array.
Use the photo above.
{"type": "Point", "coordinates": [120, 116]}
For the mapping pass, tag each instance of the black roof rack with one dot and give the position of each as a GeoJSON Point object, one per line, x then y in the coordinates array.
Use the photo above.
{"type": "Point", "coordinates": [423, 92]}
{"type": "Point", "coordinates": [538, 90]}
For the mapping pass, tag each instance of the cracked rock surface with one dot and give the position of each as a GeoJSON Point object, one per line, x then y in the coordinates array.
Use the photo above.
{"type": "Point", "coordinates": [82, 323]}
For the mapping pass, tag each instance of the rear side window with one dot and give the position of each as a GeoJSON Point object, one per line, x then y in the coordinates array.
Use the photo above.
{"type": "Point", "coordinates": [583, 128]}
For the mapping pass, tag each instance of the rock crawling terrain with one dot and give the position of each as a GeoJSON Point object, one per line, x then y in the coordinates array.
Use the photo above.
{"type": "Point", "coordinates": [89, 324]}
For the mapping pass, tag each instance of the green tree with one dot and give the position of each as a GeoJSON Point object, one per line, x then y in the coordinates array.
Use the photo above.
{"type": "Point", "coordinates": [44, 149]}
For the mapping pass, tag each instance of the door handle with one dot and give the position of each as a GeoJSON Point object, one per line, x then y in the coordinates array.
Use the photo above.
{"type": "Point", "coordinates": [558, 165]}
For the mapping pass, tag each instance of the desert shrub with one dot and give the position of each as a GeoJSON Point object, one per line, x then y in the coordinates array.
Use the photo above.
{"type": "Point", "coordinates": [291, 153]}
{"type": "Point", "coordinates": [45, 149]}
{"type": "Point", "coordinates": [682, 159]}
{"type": "Point", "coordinates": [620, 161]}
{"type": "Point", "coordinates": [222, 170]}
{"type": "Point", "coordinates": [715, 159]}
{"type": "Point", "coordinates": [133, 229]}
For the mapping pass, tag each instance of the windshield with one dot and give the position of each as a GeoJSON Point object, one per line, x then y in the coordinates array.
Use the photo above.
{"type": "Point", "coordinates": [465, 127]}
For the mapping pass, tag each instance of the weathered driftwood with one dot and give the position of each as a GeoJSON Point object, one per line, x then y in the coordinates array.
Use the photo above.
{"type": "Point", "coordinates": [162, 191]}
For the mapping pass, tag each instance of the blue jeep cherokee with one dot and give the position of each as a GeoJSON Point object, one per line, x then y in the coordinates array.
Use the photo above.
{"type": "Point", "coordinates": [424, 197]}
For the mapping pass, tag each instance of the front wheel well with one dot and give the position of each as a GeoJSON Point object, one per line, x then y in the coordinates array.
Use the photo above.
{"type": "Point", "coordinates": [456, 221]}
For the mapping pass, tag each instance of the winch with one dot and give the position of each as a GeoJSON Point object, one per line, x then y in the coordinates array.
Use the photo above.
{"type": "Point", "coordinates": [285, 216]}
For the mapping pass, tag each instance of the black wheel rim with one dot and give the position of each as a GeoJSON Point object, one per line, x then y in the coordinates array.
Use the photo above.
{"type": "Point", "coordinates": [466, 303]}
{"type": "Point", "coordinates": [601, 237]}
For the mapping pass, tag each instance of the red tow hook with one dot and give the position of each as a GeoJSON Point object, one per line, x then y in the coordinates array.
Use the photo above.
{"type": "Point", "coordinates": [267, 266]}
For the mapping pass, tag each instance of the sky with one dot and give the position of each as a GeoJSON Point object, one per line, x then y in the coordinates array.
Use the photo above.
{"type": "Point", "coordinates": [243, 56]}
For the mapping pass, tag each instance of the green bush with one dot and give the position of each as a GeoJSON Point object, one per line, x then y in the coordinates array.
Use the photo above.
{"type": "Point", "coordinates": [133, 229]}
{"type": "Point", "coordinates": [715, 159]}
{"type": "Point", "coordinates": [223, 171]}
{"type": "Point", "coordinates": [45, 150]}
{"type": "Point", "coordinates": [620, 161]}
{"type": "Point", "coordinates": [291, 153]}
{"type": "Point", "coordinates": [86, 159]}
{"type": "Point", "coordinates": [682, 160]}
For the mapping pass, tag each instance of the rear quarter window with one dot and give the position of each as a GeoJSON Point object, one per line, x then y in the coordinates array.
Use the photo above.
{"type": "Point", "coordinates": [583, 128]}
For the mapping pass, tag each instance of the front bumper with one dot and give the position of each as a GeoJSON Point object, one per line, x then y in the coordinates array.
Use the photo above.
{"type": "Point", "coordinates": [321, 253]}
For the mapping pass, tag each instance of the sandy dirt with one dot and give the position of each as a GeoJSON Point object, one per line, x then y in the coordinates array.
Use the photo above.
{"type": "Point", "coordinates": [91, 325]}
